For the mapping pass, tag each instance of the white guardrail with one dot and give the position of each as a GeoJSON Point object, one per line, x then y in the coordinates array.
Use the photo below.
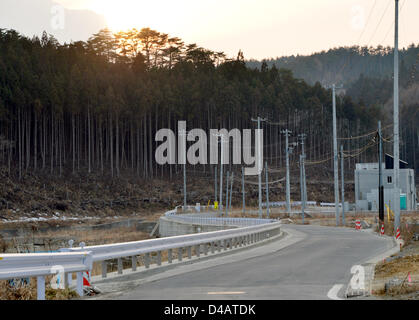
{"type": "Point", "coordinates": [216, 221]}
{"type": "Point", "coordinates": [40, 265]}
{"type": "Point", "coordinates": [284, 204]}
{"type": "Point", "coordinates": [79, 259]}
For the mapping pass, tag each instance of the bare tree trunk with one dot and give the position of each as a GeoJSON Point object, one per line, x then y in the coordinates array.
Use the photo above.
{"type": "Point", "coordinates": [44, 143]}
{"type": "Point", "coordinates": [35, 133]}
{"type": "Point", "coordinates": [89, 138]}
{"type": "Point", "coordinates": [52, 142]}
{"type": "Point", "coordinates": [73, 130]}
{"type": "Point", "coordinates": [111, 142]}
{"type": "Point", "coordinates": [28, 140]}
{"type": "Point", "coordinates": [20, 143]}
{"type": "Point", "coordinates": [131, 131]}
{"type": "Point", "coordinates": [78, 143]}
{"type": "Point", "coordinates": [138, 149]}
{"type": "Point", "coordinates": [150, 147]}
{"type": "Point", "coordinates": [145, 148]}
{"type": "Point", "coordinates": [60, 142]}
{"type": "Point", "coordinates": [117, 144]}
{"type": "Point", "coordinates": [101, 144]}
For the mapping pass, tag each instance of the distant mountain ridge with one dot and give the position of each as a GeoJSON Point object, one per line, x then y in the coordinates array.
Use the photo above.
{"type": "Point", "coordinates": [346, 64]}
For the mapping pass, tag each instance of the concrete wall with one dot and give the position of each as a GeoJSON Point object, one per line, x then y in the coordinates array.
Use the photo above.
{"type": "Point", "coordinates": [169, 228]}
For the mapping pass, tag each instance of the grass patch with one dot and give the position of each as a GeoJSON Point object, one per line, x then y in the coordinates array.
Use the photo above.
{"type": "Point", "coordinates": [29, 291]}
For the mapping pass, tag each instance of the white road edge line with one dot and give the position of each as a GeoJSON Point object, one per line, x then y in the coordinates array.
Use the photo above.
{"type": "Point", "coordinates": [226, 293]}
{"type": "Point", "coordinates": [333, 293]}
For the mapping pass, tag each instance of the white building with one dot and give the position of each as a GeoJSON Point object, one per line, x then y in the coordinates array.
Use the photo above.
{"type": "Point", "coordinates": [366, 186]}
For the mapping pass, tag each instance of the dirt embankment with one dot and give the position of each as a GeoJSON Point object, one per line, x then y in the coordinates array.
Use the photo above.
{"type": "Point", "coordinates": [397, 277]}
{"type": "Point", "coordinates": [42, 195]}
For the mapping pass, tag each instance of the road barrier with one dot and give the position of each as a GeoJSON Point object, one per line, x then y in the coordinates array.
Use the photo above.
{"type": "Point", "coordinates": [292, 204]}
{"type": "Point", "coordinates": [86, 279]}
{"type": "Point", "coordinates": [40, 265]}
{"type": "Point", "coordinates": [217, 221]}
{"type": "Point", "coordinates": [382, 229]}
{"type": "Point", "coordinates": [358, 225]}
{"type": "Point", "coordinates": [398, 234]}
{"type": "Point", "coordinates": [244, 232]}
{"type": "Point", "coordinates": [329, 204]}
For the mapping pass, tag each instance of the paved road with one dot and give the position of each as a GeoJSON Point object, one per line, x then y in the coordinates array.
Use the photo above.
{"type": "Point", "coordinates": [319, 258]}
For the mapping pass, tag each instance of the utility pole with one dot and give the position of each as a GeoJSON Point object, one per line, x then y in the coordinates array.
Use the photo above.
{"type": "Point", "coordinates": [380, 175]}
{"type": "Point", "coordinates": [184, 133]}
{"type": "Point", "coordinates": [304, 182]}
{"type": "Point", "coordinates": [302, 187]}
{"type": "Point", "coordinates": [220, 205]}
{"type": "Point", "coordinates": [227, 178]}
{"type": "Point", "coordinates": [231, 189]}
{"type": "Point", "coordinates": [259, 157]}
{"type": "Point", "coordinates": [396, 162]}
{"type": "Point", "coordinates": [302, 137]}
{"type": "Point", "coordinates": [288, 192]}
{"type": "Point", "coordinates": [343, 184]}
{"type": "Point", "coordinates": [184, 185]}
{"type": "Point", "coordinates": [335, 151]}
{"type": "Point", "coordinates": [215, 185]}
{"type": "Point", "coordinates": [243, 192]}
{"type": "Point", "coordinates": [267, 189]}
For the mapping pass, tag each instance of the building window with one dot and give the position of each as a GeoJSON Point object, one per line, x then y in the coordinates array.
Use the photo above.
{"type": "Point", "coordinates": [389, 179]}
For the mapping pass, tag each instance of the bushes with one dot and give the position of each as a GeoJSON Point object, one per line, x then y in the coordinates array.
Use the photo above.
{"type": "Point", "coordinates": [22, 291]}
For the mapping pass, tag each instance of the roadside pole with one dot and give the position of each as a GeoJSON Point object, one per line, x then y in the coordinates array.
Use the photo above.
{"type": "Point", "coordinates": [226, 206]}
{"type": "Point", "coordinates": [335, 157]}
{"type": "Point", "coordinates": [184, 186]}
{"type": "Point", "coordinates": [380, 174]}
{"type": "Point", "coordinates": [343, 184]}
{"type": "Point", "coordinates": [303, 136]}
{"type": "Point", "coordinates": [215, 184]}
{"type": "Point", "coordinates": [260, 150]}
{"type": "Point", "coordinates": [267, 189]}
{"type": "Point", "coordinates": [244, 193]}
{"type": "Point", "coordinates": [231, 190]}
{"type": "Point", "coordinates": [302, 187]}
{"type": "Point", "coordinates": [396, 148]}
{"type": "Point", "coordinates": [220, 206]}
{"type": "Point", "coordinates": [288, 192]}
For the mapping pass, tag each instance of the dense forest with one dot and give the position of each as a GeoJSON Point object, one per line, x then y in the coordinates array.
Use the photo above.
{"type": "Point", "coordinates": [95, 106]}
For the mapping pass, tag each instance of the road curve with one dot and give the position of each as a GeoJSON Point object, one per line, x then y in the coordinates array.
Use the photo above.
{"type": "Point", "coordinates": [318, 262]}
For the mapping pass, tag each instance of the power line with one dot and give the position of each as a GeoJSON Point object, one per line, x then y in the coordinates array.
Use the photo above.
{"type": "Point", "coordinates": [256, 183]}
{"type": "Point", "coordinates": [359, 39]}
{"type": "Point", "coordinates": [368, 20]}
{"type": "Point", "coordinates": [379, 23]}
{"type": "Point", "coordinates": [366, 135]}
{"type": "Point", "coordinates": [392, 25]}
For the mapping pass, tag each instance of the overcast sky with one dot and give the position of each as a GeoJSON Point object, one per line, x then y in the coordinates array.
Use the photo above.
{"type": "Point", "coordinates": [260, 28]}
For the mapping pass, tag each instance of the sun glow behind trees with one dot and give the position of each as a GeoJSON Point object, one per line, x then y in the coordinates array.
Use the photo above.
{"type": "Point", "coordinates": [261, 29]}
{"type": "Point", "coordinates": [127, 14]}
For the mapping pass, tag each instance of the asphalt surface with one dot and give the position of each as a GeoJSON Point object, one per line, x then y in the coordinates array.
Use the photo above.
{"type": "Point", "coordinates": [314, 260]}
